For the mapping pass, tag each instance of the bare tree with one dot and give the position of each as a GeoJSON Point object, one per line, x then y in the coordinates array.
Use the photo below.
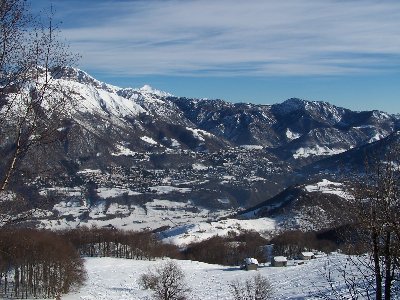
{"type": "Point", "coordinates": [31, 104]}
{"type": "Point", "coordinates": [256, 288]}
{"type": "Point", "coordinates": [376, 217]}
{"type": "Point", "coordinates": [167, 281]}
{"type": "Point", "coordinates": [37, 264]}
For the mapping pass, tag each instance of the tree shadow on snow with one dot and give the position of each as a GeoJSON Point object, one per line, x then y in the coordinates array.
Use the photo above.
{"type": "Point", "coordinates": [229, 269]}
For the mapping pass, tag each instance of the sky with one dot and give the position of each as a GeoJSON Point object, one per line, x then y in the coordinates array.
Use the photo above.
{"type": "Point", "coordinates": [346, 52]}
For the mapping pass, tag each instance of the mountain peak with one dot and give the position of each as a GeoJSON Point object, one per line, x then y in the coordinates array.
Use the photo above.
{"type": "Point", "coordinates": [77, 75]}
{"type": "Point", "coordinates": [296, 103]}
{"type": "Point", "coordinates": [290, 105]}
{"type": "Point", "coordinates": [71, 73]}
{"type": "Point", "coordinates": [322, 108]}
{"type": "Point", "coordinates": [147, 89]}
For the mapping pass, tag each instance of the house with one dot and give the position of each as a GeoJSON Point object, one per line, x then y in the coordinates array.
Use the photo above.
{"type": "Point", "coordinates": [307, 255]}
{"type": "Point", "coordinates": [250, 263]}
{"type": "Point", "coordinates": [279, 261]}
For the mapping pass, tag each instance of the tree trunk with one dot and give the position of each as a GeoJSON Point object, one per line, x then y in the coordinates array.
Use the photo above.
{"type": "Point", "coordinates": [388, 266]}
{"type": "Point", "coordinates": [13, 163]}
{"type": "Point", "coordinates": [377, 268]}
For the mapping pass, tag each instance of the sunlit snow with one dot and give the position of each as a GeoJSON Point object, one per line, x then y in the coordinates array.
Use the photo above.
{"type": "Point", "coordinates": [328, 187]}
{"type": "Point", "coordinates": [118, 279]}
{"type": "Point", "coordinates": [252, 147]}
{"type": "Point", "coordinates": [123, 151]}
{"type": "Point", "coordinates": [292, 135]}
{"type": "Point", "coordinates": [316, 151]}
{"type": "Point", "coordinates": [105, 192]}
{"type": "Point", "coordinates": [148, 140]}
{"type": "Point", "coordinates": [199, 134]}
{"type": "Point", "coordinates": [195, 232]}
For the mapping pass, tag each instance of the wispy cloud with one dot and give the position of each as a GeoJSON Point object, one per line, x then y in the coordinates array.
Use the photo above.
{"type": "Point", "coordinates": [233, 37]}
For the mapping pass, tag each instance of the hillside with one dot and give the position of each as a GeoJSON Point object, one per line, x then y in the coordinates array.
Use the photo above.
{"type": "Point", "coordinates": [210, 282]}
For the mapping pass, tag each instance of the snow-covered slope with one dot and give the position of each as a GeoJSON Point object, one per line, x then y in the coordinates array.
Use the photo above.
{"type": "Point", "coordinates": [313, 206]}
{"type": "Point", "coordinates": [355, 159]}
{"type": "Point", "coordinates": [112, 279]}
{"type": "Point", "coordinates": [152, 215]}
{"type": "Point", "coordinates": [200, 231]}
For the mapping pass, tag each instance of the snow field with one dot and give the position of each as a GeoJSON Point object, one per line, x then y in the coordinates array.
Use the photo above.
{"type": "Point", "coordinates": [316, 151]}
{"type": "Point", "coordinates": [154, 214]}
{"type": "Point", "coordinates": [329, 187]}
{"type": "Point", "coordinates": [292, 135]}
{"type": "Point", "coordinates": [112, 278]}
{"type": "Point", "coordinates": [189, 233]}
{"type": "Point", "coordinates": [199, 134]}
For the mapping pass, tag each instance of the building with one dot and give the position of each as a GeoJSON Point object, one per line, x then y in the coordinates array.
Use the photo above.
{"type": "Point", "coordinates": [250, 263]}
{"type": "Point", "coordinates": [279, 261]}
{"type": "Point", "coordinates": [307, 255]}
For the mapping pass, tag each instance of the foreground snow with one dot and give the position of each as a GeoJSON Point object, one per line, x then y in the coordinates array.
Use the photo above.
{"type": "Point", "coordinates": [112, 278]}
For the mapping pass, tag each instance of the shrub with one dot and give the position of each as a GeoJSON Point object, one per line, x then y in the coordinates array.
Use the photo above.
{"type": "Point", "coordinates": [228, 250]}
{"type": "Point", "coordinates": [256, 288]}
{"type": "Point", "coordinates": [167, 282]}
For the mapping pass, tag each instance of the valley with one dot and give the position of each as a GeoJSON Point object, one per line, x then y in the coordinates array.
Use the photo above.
{"type": "Point", "coordinates": [144, 159]}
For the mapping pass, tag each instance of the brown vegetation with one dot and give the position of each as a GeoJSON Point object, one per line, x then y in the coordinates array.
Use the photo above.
{"type": "Point", "coordinates": [228, 250]}
{"type": "Point", "coordinates": [107, 242]}
{"type": "Point", "coordinates": [37, 263]}
{"type": "Point", "coordinates": [292, 243]}
{"type": "Point", "coordinates": [47, 264]}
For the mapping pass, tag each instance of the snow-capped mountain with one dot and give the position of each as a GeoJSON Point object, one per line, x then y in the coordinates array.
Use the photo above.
{"type": "Point", "coordinates": [297, 128]}
{"type": "Point", "coordinates": [123, 150]}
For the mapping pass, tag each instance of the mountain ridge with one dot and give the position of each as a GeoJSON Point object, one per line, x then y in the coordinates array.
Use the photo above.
{"type": "Point", "coordinates": [123, 150]}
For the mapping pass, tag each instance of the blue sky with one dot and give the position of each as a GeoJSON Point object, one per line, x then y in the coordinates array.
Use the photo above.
{"type": "Point", "coordinates": [259, 51]}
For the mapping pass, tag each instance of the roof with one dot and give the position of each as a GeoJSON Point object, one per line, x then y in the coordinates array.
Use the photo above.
{"type": "Point", "coordinates": [280, 258]}
{"type": "Point", "coordinates": [307, 253]}
{"type": "Point", "coordinates": [250, 260]}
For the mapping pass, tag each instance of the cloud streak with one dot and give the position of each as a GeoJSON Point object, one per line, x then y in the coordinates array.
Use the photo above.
{"type": "Point", "coordinates": [235, 38]}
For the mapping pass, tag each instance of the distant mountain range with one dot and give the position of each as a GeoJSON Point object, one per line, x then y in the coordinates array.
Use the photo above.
{"type": "Point", "coordinates": [123, 150]}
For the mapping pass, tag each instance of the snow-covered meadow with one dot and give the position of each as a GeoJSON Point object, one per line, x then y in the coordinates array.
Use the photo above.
{"type": "Point", "coordinates": [112, 278]}
{"type": "Point", "coordinates": [197, 232]}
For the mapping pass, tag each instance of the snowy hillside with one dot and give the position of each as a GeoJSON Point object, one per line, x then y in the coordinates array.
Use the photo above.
{"type": "Point", "coordinates": [313, 206]}
{"type": "Point", "coordinates": [200, 231]}
{"type": "Point", "coordinates": [152, 215]}
{"type": "Point", "coordinates": [117, 279]}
